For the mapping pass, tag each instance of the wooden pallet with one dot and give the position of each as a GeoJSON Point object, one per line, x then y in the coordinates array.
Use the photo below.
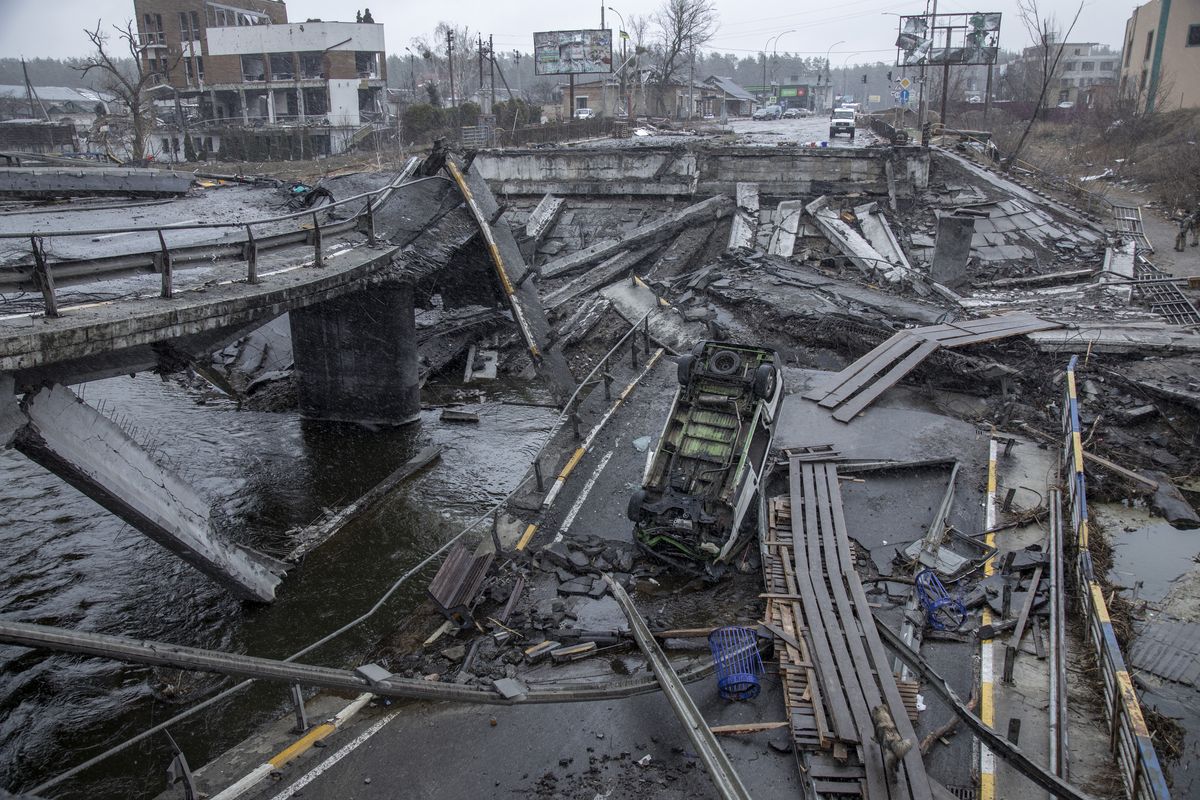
{"type": "Point", "coordinates": [852, 672]}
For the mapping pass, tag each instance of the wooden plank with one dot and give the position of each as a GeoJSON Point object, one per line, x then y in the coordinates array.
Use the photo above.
{"type": "Point", "coordinates": [842, 723]}
{"type": "Point", "coordinates": [838, 378]}
{"type": "Point", "coordinates": [851, 409]}
{"type": "Point", "coordinates": [860, 682]}
{"type": "Point", "coordinates": [918, 781]}
{"type": "Point", "coordinates": [868, 371]}
{"type": "Point", "coordinates": [747, 727]}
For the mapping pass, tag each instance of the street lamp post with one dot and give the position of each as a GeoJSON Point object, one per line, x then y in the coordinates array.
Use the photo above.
{"type": "Point", "coordinates": [828, 77]}
{"type": "Point", "coordinates": [845, 70]}
{"type": "Point", "coordinates": [774, 52]}
{"type": "Point", "coordinates": [624, 36]}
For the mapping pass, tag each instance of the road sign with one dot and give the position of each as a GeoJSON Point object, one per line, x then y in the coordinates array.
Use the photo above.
{"type": "Point", "coordinates": [904, 96]}
{"type": "Point", "coordinates": [905, 83]}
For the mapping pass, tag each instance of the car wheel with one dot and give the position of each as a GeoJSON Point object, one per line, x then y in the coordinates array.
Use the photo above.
{"type": "Point", "coordinates": [684, 371]}
{"type": "Point", "coordinates": [832, 133]}
{"type": "Point", "coordinates": [723, 362]}
{"type": "Point", "coordinates": [634, 510]}
{"type": "Point", "coordinates": [851, 134]}
{"type": "Point", "coordinates": [765, 378]}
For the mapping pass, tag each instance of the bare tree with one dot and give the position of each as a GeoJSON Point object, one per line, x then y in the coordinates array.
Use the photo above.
{"type": "Point", "coordinates": [683, 26]}
{"type": "Point", "coordinates": [1041, 29]}
{"type": "Point", "coordinates": [129, 83]}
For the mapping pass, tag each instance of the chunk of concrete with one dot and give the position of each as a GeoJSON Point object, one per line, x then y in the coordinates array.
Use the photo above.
{"type": "Point", "coordinates": [951, 250]}
{"type": "Point", "coordinates": [705, 211]}
{"type": "Point", "coordinates": [745, 219]}
{"type": "Point", "coordinates": [97, 457]}
{"type": "Point", "coordinates": [783, 238]}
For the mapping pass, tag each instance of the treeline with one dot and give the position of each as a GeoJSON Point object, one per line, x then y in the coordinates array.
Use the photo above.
{"type": "Point", "coordinates": [51, 72]}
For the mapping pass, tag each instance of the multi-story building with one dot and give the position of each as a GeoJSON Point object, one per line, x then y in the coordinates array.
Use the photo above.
{"type": "Point", "coordinates": [1081, 66]}
{"type": "Point", "coordinates": [1161, 66]}
{"type": "Point", "coordinates": [242, 63]}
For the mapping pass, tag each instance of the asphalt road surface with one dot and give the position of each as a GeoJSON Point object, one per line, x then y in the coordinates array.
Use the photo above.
{"type": "Point", "coordinates": [804, 130]}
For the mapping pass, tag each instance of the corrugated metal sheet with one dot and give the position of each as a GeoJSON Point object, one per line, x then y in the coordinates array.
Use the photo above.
{"type": "Point", "coordinates": [1169, 649]}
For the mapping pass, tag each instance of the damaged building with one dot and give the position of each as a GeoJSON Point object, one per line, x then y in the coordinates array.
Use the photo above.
{"type": "Point", "coordinates": [248, 74]}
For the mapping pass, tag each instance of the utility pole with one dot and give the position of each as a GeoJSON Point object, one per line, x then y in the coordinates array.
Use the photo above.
{"type": "Point", "coordinates": [924, 65]}
{"type": "Point", "coordinates": [486, 110]}
{"type": "Point", "coordinates": [450, 66]}
{"type": "Point", "coordinates": [492, 71]}
{"type": "Point", "coordinates": [691, 77]}
{"type": "Point", "coordinates": [945, 74]}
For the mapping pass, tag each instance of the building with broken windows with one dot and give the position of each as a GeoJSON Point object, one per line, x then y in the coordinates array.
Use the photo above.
{"type": "Point", "coordinates": [244, 66]}
{"type": "Point", "coordinates": [1084, 70]}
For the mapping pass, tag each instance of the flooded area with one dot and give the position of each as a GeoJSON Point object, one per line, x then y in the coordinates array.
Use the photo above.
{"type": "Point", "coordinates": [69, 563]}
{"type": "Point", "coordinates": [1156, 567]}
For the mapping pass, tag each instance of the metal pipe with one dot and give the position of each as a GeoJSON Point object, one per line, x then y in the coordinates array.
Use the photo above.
{"type": "Point", "coordinates": [716, 761]}
{"type": "Point", "coordinates": [163, 654]}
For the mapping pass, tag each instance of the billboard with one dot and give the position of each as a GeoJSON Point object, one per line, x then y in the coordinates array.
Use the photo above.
{"type": "Point", "coordinates": [949, 38]}
{"type": "Point", "coordinates": [572, 52]}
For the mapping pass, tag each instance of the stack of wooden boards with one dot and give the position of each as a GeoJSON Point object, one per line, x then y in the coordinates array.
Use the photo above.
{"type": "Point", "coordinates": [857, 386]}
{"type": "Point", "coordinates": [832, 663]}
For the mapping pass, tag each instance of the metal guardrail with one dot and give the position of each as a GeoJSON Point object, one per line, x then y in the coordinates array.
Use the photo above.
{"type": "Point", "coordinates": [43, 273]}
{"type": "Point", "coordinates": [570, 409]}
{"type": "Point", "coordinates": [1094, 203]}
{"type": "Point", "coordinates": [1129, 739]}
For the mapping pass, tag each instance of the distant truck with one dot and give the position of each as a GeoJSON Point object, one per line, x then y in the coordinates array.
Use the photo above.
{"type": "Point", "coordinates": [842, 121]}
{"type": "Point", "coordinates": [705, 470]}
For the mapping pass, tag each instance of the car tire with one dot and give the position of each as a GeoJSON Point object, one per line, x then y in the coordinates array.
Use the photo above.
{"type": "Point", "coordinates": [851, 135]}
{"type": "Point", "coordinates": [832, 133]}
{"type": "Point", "coordinates": [723, 363]}
{"type": "Point", "coordinates": [684, 370]}
{"type": "Point", "coordinates": [765, 379]}
{"type": "Point", "coordinates": [634, 509]}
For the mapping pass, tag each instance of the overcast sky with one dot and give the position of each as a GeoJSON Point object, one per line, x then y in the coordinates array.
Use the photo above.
{"type": "Point", "coordinates": [53, 28]}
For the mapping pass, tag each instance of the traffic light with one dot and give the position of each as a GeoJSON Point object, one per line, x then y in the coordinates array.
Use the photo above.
{"type": "Point", "coordinates": [864, 78]}
{"type": "Point", "coordinates": [889, 76]}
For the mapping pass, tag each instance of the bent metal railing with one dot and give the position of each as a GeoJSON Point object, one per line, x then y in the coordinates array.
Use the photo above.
{"type": "Point", "coordinates": [1129, 739]}
{"type": "Point", "coordinates": [41, 277]}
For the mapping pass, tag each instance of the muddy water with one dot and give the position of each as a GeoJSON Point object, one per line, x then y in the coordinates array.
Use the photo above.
{"type": "Point", "coordinates": [64, 561]}
{"type": "Point", "coordinates": [1150, 557]}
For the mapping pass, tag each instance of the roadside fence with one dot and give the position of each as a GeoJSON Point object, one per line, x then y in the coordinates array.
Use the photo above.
{"type": "Point", "coordinates": [1129, 739]}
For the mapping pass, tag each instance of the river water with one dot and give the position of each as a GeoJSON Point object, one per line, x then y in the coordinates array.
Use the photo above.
{"type": "Point", "coordinates": [65, 561]}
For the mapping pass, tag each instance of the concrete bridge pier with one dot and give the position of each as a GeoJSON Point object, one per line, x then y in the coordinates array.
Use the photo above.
{"type": "Point", "coordinates": [356, 356]}
{"type": "Point", "coordinates": [60, 432]}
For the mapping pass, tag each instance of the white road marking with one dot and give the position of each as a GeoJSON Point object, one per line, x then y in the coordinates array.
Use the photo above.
{"type": "Point", "coordinates": [316, 771]}
{"type": "Point", "coordinates": [587, 487]}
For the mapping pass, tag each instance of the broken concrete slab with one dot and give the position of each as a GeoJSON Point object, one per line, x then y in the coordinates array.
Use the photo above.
{"type": "Point", "coordinates": [97, 457]}
{"type": "Point", "coordinates": [542, 219]}
{"type": "Point", "coordinates": [783, 238]}
{"type": "Point", "coordinates": [952, 249]}
{"type": "Point", "coordinates": [846, 239]}
{"type": "Point", "coordinates": [42, 182]}
{"type": "Point", "coordinates": [1116, 337]}
{"type": "Point", "coordinates": [700, 213]}
{"type": "Point", "coordinates": [593, 279]}
{"type": "Point", "coordinates": [879, 235]}
{"type": "Point", "coordinates": [634, 299]}
{"type": "Point", "coordinates": [745, 219]}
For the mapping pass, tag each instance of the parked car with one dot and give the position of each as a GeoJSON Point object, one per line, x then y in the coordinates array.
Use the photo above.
{"type": "Point", "coordinates": [842, 121]}
{"type": "Point", "coordinates": [585, 113]}
{"type": "Point", "coordinates": [768, 112]}
{"type": "Point", "coordinates": [702, 476]}
{"type": "Point", "coordinates": [793, 113]}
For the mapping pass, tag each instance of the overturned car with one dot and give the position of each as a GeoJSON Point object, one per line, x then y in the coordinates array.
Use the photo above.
{"type": "Point", "coordinates": [703, 474]}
